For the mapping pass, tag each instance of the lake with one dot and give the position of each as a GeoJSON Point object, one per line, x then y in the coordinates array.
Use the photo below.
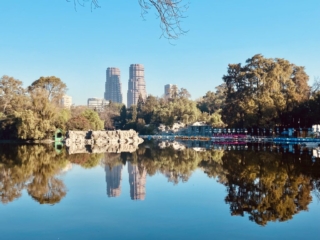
{"type": "Point", "coordinates": [161, 191]}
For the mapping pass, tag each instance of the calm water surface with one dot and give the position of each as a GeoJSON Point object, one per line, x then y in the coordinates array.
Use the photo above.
{"type": "Point", "coordinates": [259, 192]}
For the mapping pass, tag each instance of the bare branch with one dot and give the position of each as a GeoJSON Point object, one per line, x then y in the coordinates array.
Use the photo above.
{"type": "Point", "coordinates": [94, 3]}
{"type": "Point", "coordinates": [315, 86]}
{"type": "Point", "coordinates": [170, 13]}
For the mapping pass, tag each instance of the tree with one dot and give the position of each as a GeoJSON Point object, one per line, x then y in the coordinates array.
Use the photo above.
{"type": "Point", "coordinates": [110, 114]}
{"type": "Point", "coordinates": [134, 113]}
{"type": "Point", "coordinates": [183, 93]}
{"type": "Point", "coordinates": [12, 94]}
{"type": "Point", "coordinates": [54, 87]}
{"type": "Point", "coordinates": [263, 91]}
{"type": "Point", "coordinates": [37, 122]}
{"type": "Point", "coordinates": [170, 13]}
{"type": "Point", "coordinates": [123, 115]}
{"type": "Point", "coordinates": [213, 101]}
{"type": "Point", "coordinates": [151, 103]}
{"type": "Point", "coordinates": [94, 119]}
{"type": "Point", "coordinates": [78, 123]}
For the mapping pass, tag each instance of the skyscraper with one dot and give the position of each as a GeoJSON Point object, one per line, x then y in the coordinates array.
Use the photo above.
{"type": "Point", "coordinates": [113, 86]}
{"type": "Point", "coordinates": [136, 84]}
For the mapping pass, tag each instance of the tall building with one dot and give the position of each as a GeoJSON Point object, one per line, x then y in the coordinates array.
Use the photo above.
{"type": "Point", "coordinates": [136, 84]}
{"type": "Point", "coordinates": [170, 90]}
{"type": "Point", "coordinates": [66, 101]}
{"type": "Point", "coordinates": [137, 181]}
{"type": "Point", "coordinates": [113, 179]}
{"type": "Point", "coordinates": [113, 90]}
{"type": "Point", "coordinates": [97, 104]}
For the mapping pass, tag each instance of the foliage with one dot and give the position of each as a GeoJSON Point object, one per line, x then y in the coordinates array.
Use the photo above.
{"type": "Point", "coordinates": [86, 160]}
{"type": "Point", "coordinates": [94, 119]}
{"type": "Point", "coordinates": [259, 93]}
{"type": "Point", "coordinates": [213, 101]}
{"type": "Point", "coordinates": [110, 115]}
{"type": "Point", "coordinates": [54, 87]}
{"type": "Point", "coordinates": [36, 122]}
{"type": "Point", "coordinates": [12, 95]}
{"type": "Point", "coordinates": [79, 123]}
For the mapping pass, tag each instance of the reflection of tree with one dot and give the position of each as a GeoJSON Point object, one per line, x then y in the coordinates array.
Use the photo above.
{"type": "Point", "coordinates": [47, 191]}
{"type": "Point", "coordinates": [9, 189]}
{"type": "Point", "coordinates": [31, 167]}
{"type": "Point", "coordinates": [86, 160]}
{"type": "Point", "coordinates": [265, 186]}
{"type": "Point", "coordinates": [175, 165]}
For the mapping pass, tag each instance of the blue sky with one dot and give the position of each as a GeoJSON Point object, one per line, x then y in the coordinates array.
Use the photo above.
{"type": "Point", "coordinates": [48, 37]}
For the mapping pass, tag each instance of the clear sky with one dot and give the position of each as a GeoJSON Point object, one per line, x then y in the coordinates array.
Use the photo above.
{"type": "Point", "coordinates": [48, 37]}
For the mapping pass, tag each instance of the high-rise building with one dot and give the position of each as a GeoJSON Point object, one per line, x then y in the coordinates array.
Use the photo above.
{"type": "Point", "coordinates": [137, 181]}
{"type": "Point", "coordinates": [113, 90]}
{"type": "Point", "coordinates": [97, 104]}
{"type": "Point", "coordinates": [66, 101]}
{"type": "Point", "coordinates": [136, 84]}
{"type": "Point", "coordinates": [113, 179]}
{"type": "Point", "coordinates": [170, 90]}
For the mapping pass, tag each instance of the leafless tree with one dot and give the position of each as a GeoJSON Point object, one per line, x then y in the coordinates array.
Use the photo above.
{"type": "Point", "coordinates": [315, 86]}
{"type": "Point", "coordinates": [169, 12]}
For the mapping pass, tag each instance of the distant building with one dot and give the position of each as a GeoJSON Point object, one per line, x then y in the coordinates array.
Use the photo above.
{"type": "Point", "coordinates": [97, 104]}
{"type": "Point", "coordinates": [170, 90]}
{"type": "Point", "coordinates": [66, 101]}
{"type": "Point", "coordinates": [113, 90]}
{"type": "Point", "coordinates": [136, 84]}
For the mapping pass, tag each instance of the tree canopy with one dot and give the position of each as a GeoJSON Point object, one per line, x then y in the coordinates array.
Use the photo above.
{"type": "Point", "coordinates": [262, 91]}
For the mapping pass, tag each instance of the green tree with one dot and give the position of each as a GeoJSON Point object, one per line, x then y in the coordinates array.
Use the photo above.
{"type": "Point", "coordinates": [94, 119]}
{"type": "Point", "coordinates": [123, 115]}
{"type": "Point", "coordinates": [213, 101]}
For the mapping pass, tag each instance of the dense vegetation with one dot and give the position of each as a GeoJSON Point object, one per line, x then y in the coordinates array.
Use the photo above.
{"type": "Point", "coordinates": [264, 92]}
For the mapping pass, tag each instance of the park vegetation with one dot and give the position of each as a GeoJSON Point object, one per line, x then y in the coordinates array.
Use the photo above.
{"type": "Point", "coordinates": [262, 93]}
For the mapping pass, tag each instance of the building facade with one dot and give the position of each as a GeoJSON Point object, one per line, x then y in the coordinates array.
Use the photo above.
{"type": "Point", "coordinates": [97, 104]}
{"type": "Point", "coordinates": [113, 91]}
{"type": "Point", "coordinates": [66, 101]}
{"type": "Point", "coordinates": [136, 84]}
{"type": "Point", "coordinates": [170, 90]}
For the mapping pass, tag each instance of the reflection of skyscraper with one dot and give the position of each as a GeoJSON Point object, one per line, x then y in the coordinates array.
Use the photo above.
{"type": "Point", "coordinates": [137, 181]}
{"type": "Point", "coordinates": [113, 86]}
{"type": "Point", "coordinates": [113, 179]}
{"type": "Point", "coordinates": [136, 84]}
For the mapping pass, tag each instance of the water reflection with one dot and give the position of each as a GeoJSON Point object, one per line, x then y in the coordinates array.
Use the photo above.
{"type": "Point", "coordinates": [33, 168]}
{"type": "Point", "coordinates": [265, 182]}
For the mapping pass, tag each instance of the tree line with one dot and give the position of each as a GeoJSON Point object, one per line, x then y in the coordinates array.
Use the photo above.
{"type": "Point", "coordinates": [264, 92]}
{"type": "Point", "coordinates": [35, 112]}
